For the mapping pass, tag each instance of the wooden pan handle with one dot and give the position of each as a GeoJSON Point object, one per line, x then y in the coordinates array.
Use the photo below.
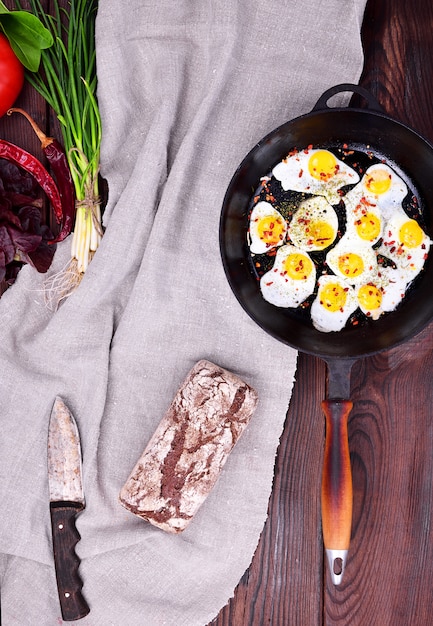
{"type": "Point", "coordinates": [337, 492]}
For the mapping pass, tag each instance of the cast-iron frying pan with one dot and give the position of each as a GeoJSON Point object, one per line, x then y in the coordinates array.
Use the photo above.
{"type": "Point", "coordinates": [411, 156]}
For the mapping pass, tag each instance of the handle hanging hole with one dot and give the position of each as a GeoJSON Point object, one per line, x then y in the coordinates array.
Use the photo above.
{"type": "Point", "coordinates": [338, 567]}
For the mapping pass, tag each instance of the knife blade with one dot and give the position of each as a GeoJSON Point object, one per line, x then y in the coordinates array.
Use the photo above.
{"type": "Point", "coordinates": [66, 501]}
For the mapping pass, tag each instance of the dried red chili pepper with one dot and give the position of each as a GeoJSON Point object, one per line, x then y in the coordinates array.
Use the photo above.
{"type": "Point", "coordinates": [31, 164]}
{"type": "Point", "coordinates": [58, 161]}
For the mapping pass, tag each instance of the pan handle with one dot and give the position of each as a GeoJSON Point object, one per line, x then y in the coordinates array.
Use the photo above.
{"type": "Point", "coordinates": [337, 491]}
{"type": "Point", "coordinates": [322, 102]}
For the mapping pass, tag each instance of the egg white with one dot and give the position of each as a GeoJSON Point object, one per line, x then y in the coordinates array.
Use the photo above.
{"type": "Point", "coordinates": [394, 286]}
{"type": "Point", "coordinates": [293, 173]}
{"type": "Point", "coordinates": [279, 288]}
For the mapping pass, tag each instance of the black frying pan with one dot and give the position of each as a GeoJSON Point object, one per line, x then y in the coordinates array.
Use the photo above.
{"type": "Point", "coordinates": [411, 156]}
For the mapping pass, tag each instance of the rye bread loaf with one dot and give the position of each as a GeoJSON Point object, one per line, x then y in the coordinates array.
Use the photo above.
{"type": "Point", "coordinates": [185, 456]}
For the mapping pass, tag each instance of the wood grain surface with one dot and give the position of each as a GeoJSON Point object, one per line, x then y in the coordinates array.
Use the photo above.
{"type": "Point", "coordinates": [390, 565]}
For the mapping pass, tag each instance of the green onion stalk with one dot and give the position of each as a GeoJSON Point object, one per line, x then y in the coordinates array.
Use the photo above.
{"type": "Point", "coordinates": [67, 81]}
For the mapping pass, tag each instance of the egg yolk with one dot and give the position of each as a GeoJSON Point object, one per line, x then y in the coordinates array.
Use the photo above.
{"type": "Point", "coordinates": [368, 227]}
{"type": "Point", "coordinates": [378, 181]}
{"type": "Point", "coordinates": [350, 264]}
{"type": "Point", "coordinates": [369, 297]}
{"type": "Point", "coordinates": [320, 235]}
{"type": "Point", "coordinates": [333, 297]}
{"type": "Point", "coordinates": [411, 234]}
{"type": "Point", "coordinates": [298, 266]}
{"type": "Point", "coordinates": [270, 230]}
{"type": "Point", "coordinates": [322, 165]}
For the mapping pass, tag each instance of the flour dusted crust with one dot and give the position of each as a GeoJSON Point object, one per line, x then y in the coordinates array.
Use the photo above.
{"type": "Point", "coordinates": [185, 456]}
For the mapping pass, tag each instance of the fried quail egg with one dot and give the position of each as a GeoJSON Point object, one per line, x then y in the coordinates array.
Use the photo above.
{"type": "Point", "coordinates": [334, 304]}
{"type": "Point", "coordinates": [369, 297]}
{"type": "Point", "coordinates": [315, 171]}
{"type": "Point", "coordinates": [291, 280]}
{"type": "Point", "coordinates": [267, 228]}
{"type": "Point", "coordinates": [406, 244]}
{"type": "Point", "coordinates": [363, 218]}
{"type": "Point", "coordinates": [383, 293]}
{"type": "Point", "coordinates": [314, 226]}
{"type": "Point", "coordinates": [354, 262]}
{"type": "Point", "coordinates": [380, 185]}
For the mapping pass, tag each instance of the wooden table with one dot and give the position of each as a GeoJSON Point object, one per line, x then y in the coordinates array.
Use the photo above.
{"type": "Point", "coordinates": [390, 566]}
{"type": "Point", "coordinates": [388, 579]}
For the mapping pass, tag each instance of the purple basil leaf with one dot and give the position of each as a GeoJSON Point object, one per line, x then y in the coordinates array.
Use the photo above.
{"type": "Point", "coordinates": [25, 242]}
{"type": "Point", "coordinates": [17, 180]}
{"type": "Point", "coordinates": [42, 257]}
{"type": "Point", "coordinates": [7, 247]}
{"type": "Point", "coordinates": [2, 265]}
{"type": "Point", "coordinates": [8, 217]}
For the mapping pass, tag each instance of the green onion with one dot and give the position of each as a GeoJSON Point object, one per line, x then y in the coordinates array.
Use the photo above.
{"type": "Point", "coordinates": [67, 81]}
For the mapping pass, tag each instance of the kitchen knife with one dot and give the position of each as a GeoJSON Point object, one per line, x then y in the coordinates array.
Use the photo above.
{"type": "Point", "coordinates": [66, 500]}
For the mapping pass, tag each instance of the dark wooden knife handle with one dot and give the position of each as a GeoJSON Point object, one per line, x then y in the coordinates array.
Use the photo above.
{"type": "Point", "coordinates": [337, 490]}
{"type": "Point", "coordinates": [65, 538]}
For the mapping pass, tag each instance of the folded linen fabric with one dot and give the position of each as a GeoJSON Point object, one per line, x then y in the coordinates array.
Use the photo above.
{"type": "Point", "coordinates": [186, 88]}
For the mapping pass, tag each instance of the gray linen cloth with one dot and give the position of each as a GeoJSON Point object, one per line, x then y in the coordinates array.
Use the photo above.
{"type": "Point", "coordinates": [186, 88]}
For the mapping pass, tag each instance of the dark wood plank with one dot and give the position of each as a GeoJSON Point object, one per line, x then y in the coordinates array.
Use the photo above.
{"type": "Point", "coordinates": [387, 580]}
{"type": "Point", "coordinates": [285, 580]}
{"type": "Point", "coordinates": [391, 439]}
{"type": "Point", "coordinates": [391, 435]}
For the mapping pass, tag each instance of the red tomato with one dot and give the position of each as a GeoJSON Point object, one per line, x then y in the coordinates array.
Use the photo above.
{"type": "Point", "coordinates": [11, 75]}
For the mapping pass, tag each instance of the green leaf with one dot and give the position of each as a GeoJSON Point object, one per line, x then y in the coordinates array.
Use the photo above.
{"type": "Point", "coordinates": [26, 35]}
